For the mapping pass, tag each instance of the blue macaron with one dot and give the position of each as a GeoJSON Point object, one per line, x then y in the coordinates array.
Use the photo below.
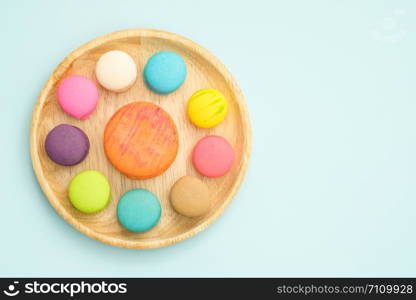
{"type": "Point", "coordinates": [165, 72]}
{"type": "Point", "coordinates": [138, 210]}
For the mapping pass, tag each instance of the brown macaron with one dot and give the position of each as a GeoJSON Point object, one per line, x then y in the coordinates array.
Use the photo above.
{"type": "Point", "coordinates": [190, 197]}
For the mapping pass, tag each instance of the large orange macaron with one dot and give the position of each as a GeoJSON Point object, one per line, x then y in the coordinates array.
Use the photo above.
{"type": "Point", "coordinates": [141, 140]}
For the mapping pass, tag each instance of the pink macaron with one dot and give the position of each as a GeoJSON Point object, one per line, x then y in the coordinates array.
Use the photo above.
{"type": "Point", "coordinates": [77, 96]}
{"type": "Point", "coordinates": [213, 156]}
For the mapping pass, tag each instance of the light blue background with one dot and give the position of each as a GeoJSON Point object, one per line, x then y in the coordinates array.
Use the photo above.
{"type": "Point", "coordinates": [331, 90]}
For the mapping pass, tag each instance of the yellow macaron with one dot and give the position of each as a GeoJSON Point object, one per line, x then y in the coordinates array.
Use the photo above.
{"type": "Point", "coordinates": [207, 108]}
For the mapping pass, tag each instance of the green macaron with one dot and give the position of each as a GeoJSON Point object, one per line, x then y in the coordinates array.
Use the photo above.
{"type": "Point", "coordinates": [89, 191]}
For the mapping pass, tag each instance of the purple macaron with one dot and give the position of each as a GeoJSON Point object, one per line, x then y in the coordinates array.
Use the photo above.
{"type": "Point", "coordinates": [67, 145]}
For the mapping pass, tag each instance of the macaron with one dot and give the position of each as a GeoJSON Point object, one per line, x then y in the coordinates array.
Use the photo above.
{"type": "Point", "coordinates": [138, 210]}
{"type": "Point", "coordinates": [116, 71]}
{"type": "Point", "coordinates": [77, 96]}
{"type": "Point", "coordinates": [89, 191]}
{"type": "Point", "coordinates": [207, 108]}
{"type": "Point", "coordinates": [213, 156]}
{"type": "Point", "coordinates": [190, 197]}
{"type": "Point", "coordinates": [141, 140]}
{"type": "Point", "coordinates": [165, 72]}
{"type": "Point", "coordinates": [67, 145]}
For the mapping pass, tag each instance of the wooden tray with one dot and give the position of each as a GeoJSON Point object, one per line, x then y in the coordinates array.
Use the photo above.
{"type": "Point", "coordinates": [204, 71]}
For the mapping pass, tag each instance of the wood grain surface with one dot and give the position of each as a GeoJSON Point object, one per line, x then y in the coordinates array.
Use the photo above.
{"type": "Point", "coordinates": [204, 71]}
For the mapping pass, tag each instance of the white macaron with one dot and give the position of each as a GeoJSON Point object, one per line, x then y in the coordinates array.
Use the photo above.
{"type": "Point", "coordinates": [116, 71]}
